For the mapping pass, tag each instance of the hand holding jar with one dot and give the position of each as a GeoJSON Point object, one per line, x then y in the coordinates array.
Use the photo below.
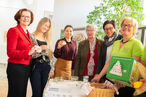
{"type": "Point", "coordinates": [61, 44]}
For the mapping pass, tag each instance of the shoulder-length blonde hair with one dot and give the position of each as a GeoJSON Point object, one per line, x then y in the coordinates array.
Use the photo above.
{"type": "Point", "coordinates": [134, 23]}
{"type": "Point", "coordinates": [47, 34]}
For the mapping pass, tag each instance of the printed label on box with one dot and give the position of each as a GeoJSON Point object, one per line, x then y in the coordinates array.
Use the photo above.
{"type": "Point", "coordinates": [123, 70]}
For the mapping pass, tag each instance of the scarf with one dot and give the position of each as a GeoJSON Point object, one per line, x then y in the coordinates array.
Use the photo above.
{"type": "Point", "coordinates": [109, 41]}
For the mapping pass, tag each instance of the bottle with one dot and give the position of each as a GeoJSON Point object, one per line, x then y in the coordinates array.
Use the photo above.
{"type": "Point", "coordinates": [85, 79]}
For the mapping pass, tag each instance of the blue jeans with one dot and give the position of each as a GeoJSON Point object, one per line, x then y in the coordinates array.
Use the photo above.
{"type": "Point", "coordinates": [39, 77]}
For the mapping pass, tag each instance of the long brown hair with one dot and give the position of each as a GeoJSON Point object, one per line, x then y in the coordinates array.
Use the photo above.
{"type": "Point", "coordinates": [47, 34]}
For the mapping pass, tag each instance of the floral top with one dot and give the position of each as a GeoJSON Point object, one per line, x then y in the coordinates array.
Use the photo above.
{"type": "Point", "coordinates": [42, 53]}
{"type": "Point", "coordinates": [38, 54]}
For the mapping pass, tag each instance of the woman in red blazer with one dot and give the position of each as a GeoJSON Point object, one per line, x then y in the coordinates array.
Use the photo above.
{"type": "Point", "coordinates": [19, 49]}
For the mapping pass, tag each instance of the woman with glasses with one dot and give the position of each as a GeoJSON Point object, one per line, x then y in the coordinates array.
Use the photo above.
{"type": "Point", "coordinates": [88, 55]}
{"type": "Point", "coordinates": [128, 46]}
{"type": "Point", "coordinates": [109, 28]}
{"type": "Point", "coordinates": [19, 51]}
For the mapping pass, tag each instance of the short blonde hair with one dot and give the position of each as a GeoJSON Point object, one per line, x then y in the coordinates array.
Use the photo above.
{"type": "Point", "coordinates": [134, 23]}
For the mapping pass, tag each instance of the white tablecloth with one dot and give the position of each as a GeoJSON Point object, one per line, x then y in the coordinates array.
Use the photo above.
{"type": "Point", "coordinates": [64, 88]}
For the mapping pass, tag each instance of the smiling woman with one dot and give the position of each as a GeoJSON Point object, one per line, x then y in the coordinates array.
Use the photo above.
{"type": "Point", "coordinates": [19, 49]}
{"type": "Point", "coordinates": [41, 59]}
{"type": "Point", "coordinates": [88, 55]}
{"type": "Point", "coordinates": [109, 27]}
{"type": "Point", "coordinates": [65, 52]}
{"type": "Point", "coordinates": [131, 48]}
{"type": "Point", "coordinates": [128, 28]}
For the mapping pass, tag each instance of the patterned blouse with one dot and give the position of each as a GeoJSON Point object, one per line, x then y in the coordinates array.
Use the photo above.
{"type": "Point", "coordinates": [42, 53]}
{"type": "Point", "coordinates": [38, 54]}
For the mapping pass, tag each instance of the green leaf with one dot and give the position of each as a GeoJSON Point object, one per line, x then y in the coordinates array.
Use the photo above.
{"type": "Point", "coordinates": [116, 10]}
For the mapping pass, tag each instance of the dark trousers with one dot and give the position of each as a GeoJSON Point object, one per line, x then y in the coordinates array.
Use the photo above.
{"type": "Point", "coordinates": [126, 92]}
{"type": "Point", "coordinates": [39, 77]}
{"type": "Point", "coordinates": [17, 75]}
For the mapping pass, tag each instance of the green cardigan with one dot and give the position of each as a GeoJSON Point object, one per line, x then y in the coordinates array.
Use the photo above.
{"type": "Point", "coordinates": [81, 57]}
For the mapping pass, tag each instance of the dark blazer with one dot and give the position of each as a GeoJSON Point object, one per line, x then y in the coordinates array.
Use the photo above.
{"type": "Point", "coordinates": [18, 45]}
{"type": "Point", "coordinates": [81, 57]}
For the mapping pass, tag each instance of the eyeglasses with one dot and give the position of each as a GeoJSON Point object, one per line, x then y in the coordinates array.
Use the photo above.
{"type": "Point", "coordinates": [127, 25]}
{"type": "Point", "coordinates": [28, 17]}
{"type": "Point", "coordinates": [90, 30]}
{"type": "Point", "coordinates": [110, 28]}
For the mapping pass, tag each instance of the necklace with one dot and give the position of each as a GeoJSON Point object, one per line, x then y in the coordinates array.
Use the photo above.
{"type": "Point", "coordinates": [125, 41]}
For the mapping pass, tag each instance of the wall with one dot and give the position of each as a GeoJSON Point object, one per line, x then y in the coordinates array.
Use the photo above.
{"type": "Point", "coordinates": [8, 9]}
{"type": "Point", "coordinates": [72, 12]}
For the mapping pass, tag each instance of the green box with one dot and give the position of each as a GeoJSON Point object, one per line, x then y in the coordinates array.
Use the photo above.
{"type": "Point", "coordinates": [123, 70]}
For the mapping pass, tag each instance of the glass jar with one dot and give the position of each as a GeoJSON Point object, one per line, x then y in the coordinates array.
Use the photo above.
{"type": "Point", "coordinates": [85, 79]}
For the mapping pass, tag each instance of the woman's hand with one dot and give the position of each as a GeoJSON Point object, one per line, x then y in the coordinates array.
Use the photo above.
{"type": "Point", "coordinates": [61, 44]}
{"type": "Point", "coordinates": [96, 78]}
{"type": "Point", "coordinates": [51, 73]}
{"type": "Point", "coordinates": [43, 47]}
{"type": "Point", "coordinates": [104, 70]}
{"type": "Point", "coordinates": [118, 85]}
{"type": "Point", "coordinates": [143, 87]}
{"type": "Point", "coordinates": [33, 50]}
{"type": "Point", "coordinates": [144, 80]}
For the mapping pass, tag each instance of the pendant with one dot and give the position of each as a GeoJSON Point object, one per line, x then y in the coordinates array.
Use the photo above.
{"type": "Point", "coordinates": [44, 58]}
